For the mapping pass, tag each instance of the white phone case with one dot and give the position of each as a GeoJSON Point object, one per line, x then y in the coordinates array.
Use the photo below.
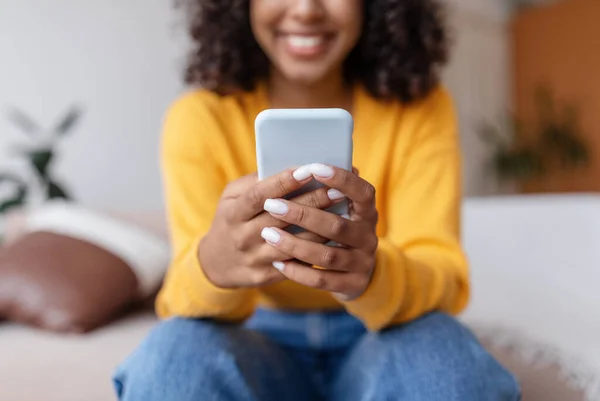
{"type": "Point", "coordinates": [287, 138]}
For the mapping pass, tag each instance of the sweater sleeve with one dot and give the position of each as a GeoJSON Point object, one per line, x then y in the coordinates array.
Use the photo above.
{"type": "Point", "coordinates": [420, 264]}
{"type": "Point", "coordinates": [193, 182]}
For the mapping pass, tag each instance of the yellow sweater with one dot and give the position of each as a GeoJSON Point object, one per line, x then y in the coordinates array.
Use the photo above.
{"type": "Point", "coordinates": [409, 153]}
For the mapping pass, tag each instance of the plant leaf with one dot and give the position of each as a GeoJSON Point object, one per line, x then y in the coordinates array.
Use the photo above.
{"type": "Point", "coordinates": [68, 121]}
{"type": "Point", "coordinates": [56, 192]}
{"type": "Point", "coordinates": [17, 200]}
{"type": "Point", "coordinates": [9, 204]}
{"type": "Point", "coordinates": [40, 160]}
{"type": "Point", "coordinates": [23, 121]}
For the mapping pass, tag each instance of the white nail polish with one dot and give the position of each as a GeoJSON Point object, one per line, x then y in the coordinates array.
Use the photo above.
{"type": "Point", "coordinates": [346, 216]}
{"type": "Point", "coordinates": [334, 194]}
{"type": "Point", "coordinates": [302, 173]}
{"type": "Point", "coordinates": [276, 206]}
{"type": "Point", "coordinates": [270, 235]}
{"type": "Point", "coordinates": [321, 170]}
{"type": "Point", "coordinates": [279, 266]}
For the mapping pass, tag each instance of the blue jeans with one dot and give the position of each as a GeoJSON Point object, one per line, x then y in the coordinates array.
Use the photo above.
{"type": "Point", "coordinates": [278, 356]}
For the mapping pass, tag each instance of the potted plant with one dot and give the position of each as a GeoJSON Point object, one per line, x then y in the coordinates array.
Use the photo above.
{"type": "Point", "coordinates": [39, 155]}
{"type": "Point", "coordinates": [553, 142]}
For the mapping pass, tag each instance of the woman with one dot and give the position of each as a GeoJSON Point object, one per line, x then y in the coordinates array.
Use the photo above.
{"type": "Point", "coordinates": [246, 316]}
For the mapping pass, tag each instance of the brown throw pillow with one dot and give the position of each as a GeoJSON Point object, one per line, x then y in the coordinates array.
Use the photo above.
{"type": "Point", "coordinates": [64, 284]}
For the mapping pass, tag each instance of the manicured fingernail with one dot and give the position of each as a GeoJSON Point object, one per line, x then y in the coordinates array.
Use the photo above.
{"type": "Point", "coordinates": [346, 216]}
{"type": "Point", "coordinates": [279, 266]}
{"type": "Point", "coordinates": [321, 170]}
{"type": "Point", "coordinates": [276, 206]}
{"type": "Point", "coordinates": [270, 235]}
{"type": "Point", "coordinates": [302, 173]}
{"type": "Point", "coordinates": [334, 194]}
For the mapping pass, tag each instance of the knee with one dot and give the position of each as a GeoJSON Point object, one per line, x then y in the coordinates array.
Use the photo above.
{"type": "Point", "coordinates": [438, 352]}
{"type": "Point", "coordinates": [172, 361]}
{"type": "Point", "coordinates": [178, 341]}
{"type": "Point", "coordinates": [172, 336]}
{"type": "Point", "coordinates": [433, 334]}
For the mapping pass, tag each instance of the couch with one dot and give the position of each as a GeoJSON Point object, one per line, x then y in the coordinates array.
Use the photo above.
{"type": "Point", "coordinates": [535, 305]}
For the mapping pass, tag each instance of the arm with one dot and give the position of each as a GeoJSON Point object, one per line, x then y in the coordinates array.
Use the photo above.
{"type": "Point", "coordinates": [420, 265]}
{"type": "Point", "coordinates": [193, 183]}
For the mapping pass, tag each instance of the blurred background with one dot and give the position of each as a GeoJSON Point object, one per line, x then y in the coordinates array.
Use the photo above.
{"type": "Point", "coordinates": [120, 62]}
{"type": "Point", "coordinates": [84, 86]}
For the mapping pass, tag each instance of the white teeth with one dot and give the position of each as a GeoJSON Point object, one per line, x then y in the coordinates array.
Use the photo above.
{"type": "Point", "coordinates": [305, 42]}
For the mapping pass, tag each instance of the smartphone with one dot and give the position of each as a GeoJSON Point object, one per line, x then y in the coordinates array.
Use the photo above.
{"type": "Point", "coordinates": [289, 138]}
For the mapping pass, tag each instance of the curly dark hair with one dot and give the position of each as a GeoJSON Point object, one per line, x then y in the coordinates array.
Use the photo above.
{"type": "Point", "coordinates": [403, 46]}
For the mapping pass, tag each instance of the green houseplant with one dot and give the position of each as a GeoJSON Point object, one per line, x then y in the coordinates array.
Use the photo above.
{"type": "Point", "coordinates": [39, 156]}
{"type": "Point", "coordinates": [524, 151]}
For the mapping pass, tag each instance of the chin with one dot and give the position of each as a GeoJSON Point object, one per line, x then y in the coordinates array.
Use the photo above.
{"type": "Point", "coordinates": [306, 77]}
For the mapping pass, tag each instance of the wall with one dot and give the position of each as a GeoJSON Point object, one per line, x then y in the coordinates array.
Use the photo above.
{"type": "Point", "coordinates": [559, 45]}
{"type": "Point", "coordinates": [479, 79]}
{"type": "Point", "coordinates": [122, 60]}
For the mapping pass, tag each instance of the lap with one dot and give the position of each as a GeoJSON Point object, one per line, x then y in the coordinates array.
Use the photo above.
{"type": "Point", "coordinates": [185, 359]}
{"type": "Point", "coordinates": [432, 358]}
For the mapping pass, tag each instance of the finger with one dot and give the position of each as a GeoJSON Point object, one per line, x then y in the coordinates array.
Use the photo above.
{"type": "Point", "coordinates": [267, 254]}
{"type": "Point", "coordinates": [251, 202]}
{"type": "Point", "coordinates": [240, 186]}
{"type": "Point", "coordinates": [358, 190]}
{"type": "Point", "coordinates": [333, 281]}
{"type": "Point", "coordinates": [262, 275]}
{"type": "Point", "coordinates": [252, 231]}
{"type": "Point", "coordinates": [318, 199]}
{"type": "Point", "coordinates": [325, 224]}
{"type": "Point", "coordinates": [312, 237]}
{"type": "Point", "coordinates": [329, 257]}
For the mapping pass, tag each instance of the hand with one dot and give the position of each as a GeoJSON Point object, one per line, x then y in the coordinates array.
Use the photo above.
{"type": "Point", "coordinates": [233, 254]}
{"type": "Point", "coordinates": [347, 268]}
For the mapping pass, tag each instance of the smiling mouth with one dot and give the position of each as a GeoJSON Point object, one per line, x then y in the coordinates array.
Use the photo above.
{"type": "Point", "coordinates": [306, 45]}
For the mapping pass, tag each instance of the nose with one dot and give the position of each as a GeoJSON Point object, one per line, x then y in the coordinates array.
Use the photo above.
{"type": "Point", "coordinates": [308, 10]}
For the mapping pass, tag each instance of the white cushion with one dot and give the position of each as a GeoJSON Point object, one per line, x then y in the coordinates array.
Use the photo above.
{"type": "Point", "coordinates": [535, 263]}
{"type": "Point", "coordinates": [144, 251]}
